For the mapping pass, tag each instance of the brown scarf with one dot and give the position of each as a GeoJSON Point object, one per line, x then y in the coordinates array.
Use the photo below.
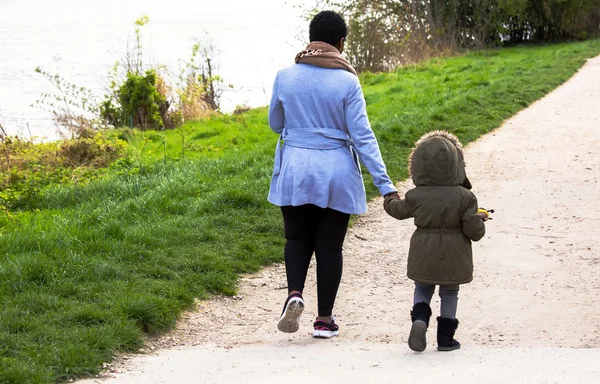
{"type": "Point", "coordinates": [324, 55]}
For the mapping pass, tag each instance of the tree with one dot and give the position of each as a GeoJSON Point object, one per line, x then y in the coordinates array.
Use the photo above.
{"type": "Point", "coordinates": [386, 33]}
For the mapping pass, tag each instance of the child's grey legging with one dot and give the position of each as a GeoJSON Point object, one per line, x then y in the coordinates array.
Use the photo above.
{"type": "Point", "coordinates": [448, 296]}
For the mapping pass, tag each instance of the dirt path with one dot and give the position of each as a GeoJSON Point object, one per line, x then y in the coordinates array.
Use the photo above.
{"type": "Point", "coordinates": [536, 287]}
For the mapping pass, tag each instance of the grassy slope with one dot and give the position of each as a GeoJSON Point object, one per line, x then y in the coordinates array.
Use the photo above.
{"type": "Point", "coordinates": [468, 95]}
{"type": "Point", "coordinates": [87, 270]}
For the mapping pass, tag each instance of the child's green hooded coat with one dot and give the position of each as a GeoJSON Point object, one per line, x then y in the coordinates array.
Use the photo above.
{"type": "Point", "coordinates": [445, 213]}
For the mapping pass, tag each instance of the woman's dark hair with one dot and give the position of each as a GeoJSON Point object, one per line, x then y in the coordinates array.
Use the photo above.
{"type": "Point", "coordinates": [329, 27]}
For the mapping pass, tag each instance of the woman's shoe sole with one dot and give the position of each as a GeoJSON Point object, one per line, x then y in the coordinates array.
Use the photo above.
{"type": "Point", "coordinates": [416, 340]}
{"type": "Point", "coordinates": [288, 322]}
{"type": "Point", "coordinates": [325, 334]}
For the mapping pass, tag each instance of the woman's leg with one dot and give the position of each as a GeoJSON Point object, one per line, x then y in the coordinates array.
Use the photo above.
{"type": "Point", "coordinates": [299, 227]}
{"type": "Point", "coordinates": [299, 232]}
{"type": "Point", "coordinates": [331, 232]}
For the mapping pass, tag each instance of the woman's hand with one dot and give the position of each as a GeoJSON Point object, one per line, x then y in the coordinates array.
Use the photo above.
{"type": "Point", "coordinates": [392, 195]}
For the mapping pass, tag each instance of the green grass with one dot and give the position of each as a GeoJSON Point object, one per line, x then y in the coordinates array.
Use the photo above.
{"type": "Point", "coordinates": [86, 271]}
{"type": "Point", "coordinates": [202, 139]}
{"type": "Point", "coordinates": [466, 95]}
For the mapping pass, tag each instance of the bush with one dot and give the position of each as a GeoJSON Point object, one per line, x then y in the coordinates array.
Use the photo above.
{"type": "Point", "coordinates": [140, 103]}
{"type": "Point", "coordinates": [97, 152]}
{"type": "Point", "coordinates": [140, 95]}
{"type": "Point", "coordinates": [28, 168]}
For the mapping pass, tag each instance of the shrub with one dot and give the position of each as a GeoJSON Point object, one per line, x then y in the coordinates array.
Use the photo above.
{"type": "Point", "coordinates": [28, 168]}
{"type": "Point", "coordinates": [140, 103]}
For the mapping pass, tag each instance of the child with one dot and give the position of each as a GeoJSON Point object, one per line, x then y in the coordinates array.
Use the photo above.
{"type": "Point", "coordinates": [447, 220]}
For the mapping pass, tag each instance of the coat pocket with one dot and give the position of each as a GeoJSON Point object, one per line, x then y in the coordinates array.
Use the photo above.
{"type": "Point", "coordinates": [356, 160]}
{"type": "Point", "coordinates": [277, 160]}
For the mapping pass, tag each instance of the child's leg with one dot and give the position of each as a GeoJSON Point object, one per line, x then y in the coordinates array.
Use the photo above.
{"type": "Point", "coordinates": [447, 322]}
{"type": "Point", "coordinates": [449, 300]}
{"type": "Point", "coordinates": [423, 293]}
{"type": "Point", "coordinates": [420, 315]}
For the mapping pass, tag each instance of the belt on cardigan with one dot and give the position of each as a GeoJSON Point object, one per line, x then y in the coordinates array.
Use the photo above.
{"type": "Point", "coordinates": [314, 138]}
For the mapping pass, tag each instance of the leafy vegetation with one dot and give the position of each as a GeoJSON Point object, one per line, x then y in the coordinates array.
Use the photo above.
{"type": "Point", "coordinates": [140, 103]}
{"type": "Point", "coordinates": [386, 33]}
{"type": "Point", "coordinates": [28, 169]}
{"type": "Point", "coordinates": [141, 95]}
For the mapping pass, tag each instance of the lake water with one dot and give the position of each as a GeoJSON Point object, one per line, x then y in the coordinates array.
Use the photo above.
{"type": "Point", "coordinates": [82, 39]}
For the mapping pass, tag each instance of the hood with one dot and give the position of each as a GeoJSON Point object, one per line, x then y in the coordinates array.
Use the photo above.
{"type": "Point", "coordinates": [437, 159]}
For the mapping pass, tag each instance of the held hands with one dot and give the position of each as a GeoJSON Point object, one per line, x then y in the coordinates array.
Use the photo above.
{"type": "Point", "coordinates": [392, 195]}
{"type": "Point", "coordinates": [485, 213]}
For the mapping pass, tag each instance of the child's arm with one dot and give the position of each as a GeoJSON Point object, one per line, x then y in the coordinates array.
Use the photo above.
{"type": "Point", "coordinates": [396, 207]}
{"type": "Point", "coordinates": [472, 223]}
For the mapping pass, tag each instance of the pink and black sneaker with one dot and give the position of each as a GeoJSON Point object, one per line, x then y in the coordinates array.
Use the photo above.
{"type": "Point", "coordinates": [289, 322]}
{"type": "Point", "coordinates": [325, 330]}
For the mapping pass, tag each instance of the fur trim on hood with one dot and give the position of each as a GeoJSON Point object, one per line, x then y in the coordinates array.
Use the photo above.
{"type": "Point", "coordinates": [446, 135]}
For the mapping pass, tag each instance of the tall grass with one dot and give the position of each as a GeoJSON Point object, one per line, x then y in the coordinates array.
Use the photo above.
{"type": "Point", "coordinates": [86, 271]}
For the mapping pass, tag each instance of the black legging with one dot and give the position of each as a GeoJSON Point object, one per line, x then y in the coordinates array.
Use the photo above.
{"type": "Point", "coordinates": [309, 228]}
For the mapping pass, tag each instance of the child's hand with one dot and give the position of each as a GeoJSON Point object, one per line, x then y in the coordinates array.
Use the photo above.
{"type": "Point", "coordinates": [397, 207]}
{"type": "Point", "coordinates": [485, 214]}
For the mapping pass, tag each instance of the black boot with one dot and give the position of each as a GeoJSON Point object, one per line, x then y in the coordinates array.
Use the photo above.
{"type": "Point", "coordinates": [420, 315]}
{"type": "Point", "coordinates": [445, 334]}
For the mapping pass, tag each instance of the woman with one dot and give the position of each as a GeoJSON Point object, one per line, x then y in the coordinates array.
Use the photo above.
{"type": "Point", "coordinates": [319, 111]}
